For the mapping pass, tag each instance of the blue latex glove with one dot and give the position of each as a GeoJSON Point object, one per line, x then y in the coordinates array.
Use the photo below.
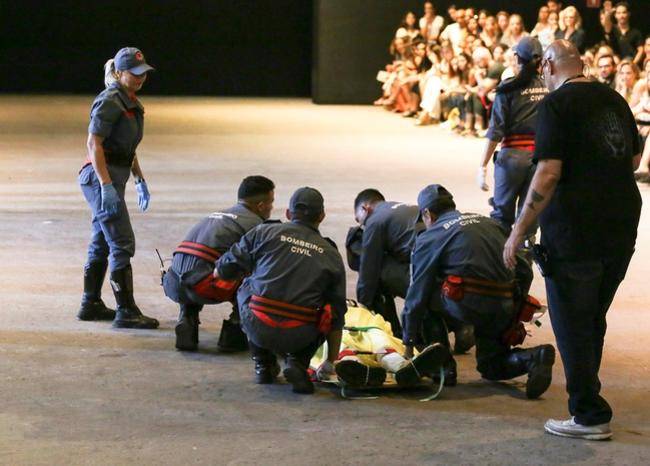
{"type": "Point", "coordinates": [143, 195]}
{"type": "Point", "coordinates": [110, 201]}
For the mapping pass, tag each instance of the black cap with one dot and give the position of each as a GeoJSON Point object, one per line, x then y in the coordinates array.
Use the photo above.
{"type": "Point", "coordinates": [307, 200]}
{"type": "Point", "coordinates": [430, 196]}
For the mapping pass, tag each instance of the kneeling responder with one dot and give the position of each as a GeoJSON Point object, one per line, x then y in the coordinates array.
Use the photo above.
{"type": "Point", "coordinates": [293, 296]}
{"type": "Point", "coordinates": [384, 260]}
{"type": "Point", "coordinates": [189, 280]}
{"type": "Point", "coordinates": [458, 271]}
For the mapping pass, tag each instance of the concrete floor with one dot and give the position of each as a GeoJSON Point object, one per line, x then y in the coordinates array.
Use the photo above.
{"type": "Point", "coordinates": [82, 393]}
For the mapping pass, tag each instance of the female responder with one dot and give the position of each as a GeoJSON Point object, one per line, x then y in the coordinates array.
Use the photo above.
{"type": "Point", "coordinates": [115, 130]}
{"type": "Point", "coordinates": [512, 124]}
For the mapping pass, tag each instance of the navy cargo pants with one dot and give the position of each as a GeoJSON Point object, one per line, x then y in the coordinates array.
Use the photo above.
{"type": "Point", "coordinates": [579, 295]}
{"type": "Point", "coordinates": [513, 172]}
{"type": "Point", "coordinates": [109, 239]}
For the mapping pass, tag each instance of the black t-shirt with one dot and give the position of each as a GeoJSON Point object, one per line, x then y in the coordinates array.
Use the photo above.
{"type": "Point", "coordinates": [595, 210]}
{"type": "Point", "coordinates": [628, 43]}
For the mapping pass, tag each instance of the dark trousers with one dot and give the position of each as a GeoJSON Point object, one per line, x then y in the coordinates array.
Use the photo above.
{"type": "Point", "coordinates": [490, 317]}
{"type": "Point", "coordinates": [513, 172]}
{"type": "Point", "coordinates": [579, 295]}
{"type": "Point", "coordinates": [304, 355]}
{"type": "Point", "coordinates": [113, 238]}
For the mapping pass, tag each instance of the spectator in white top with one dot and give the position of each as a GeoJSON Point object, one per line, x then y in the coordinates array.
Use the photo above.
{"type": "Point", "coordinates": [542, 21]}
{"type": "Point", "coordinates": [456, 32]}
{"type": "Point", "coordinates": [431, 24]}
{"type": "Point", "coordinates": [408, 28]}
{"type": "Point", "coordinates": [547, 35]}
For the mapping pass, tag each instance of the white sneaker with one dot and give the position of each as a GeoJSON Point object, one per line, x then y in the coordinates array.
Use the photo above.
{"type": "Point", "coordinates": [569, 428]}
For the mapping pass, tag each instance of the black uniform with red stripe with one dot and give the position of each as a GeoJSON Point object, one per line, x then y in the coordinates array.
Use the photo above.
{"type": "Point", "coordinates": [195, 257]}
{"type": "Point", "coordinates": [293, 273]}
{"type": "Point", "coordinates": [513, 120]}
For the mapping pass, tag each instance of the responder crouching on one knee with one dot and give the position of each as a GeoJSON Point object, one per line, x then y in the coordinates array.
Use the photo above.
{"type": "Point", "coordinates": [380, 250]}
{"type": "Point", "coordinates": [458, 271]}
{"type": "Point", "coordinates": [293, 296]}
{"type": "Point", "coordinates": [189, 280]}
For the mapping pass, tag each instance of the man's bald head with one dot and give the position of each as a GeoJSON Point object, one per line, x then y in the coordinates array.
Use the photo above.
{"type": "Point", "coordinates": [564, 53]}
{"type": "Point", "coordinates": [561, 62]}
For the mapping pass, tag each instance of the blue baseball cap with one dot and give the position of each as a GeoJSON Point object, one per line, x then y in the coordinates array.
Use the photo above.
{"type": "Point", "coordinates": [528, 48]}
{"type": "Point", "coordinates": [132, 60]}
{"type": "Point", "coordinates": [307, 199]}
{"type": "Point", "coordinates": [430, 196]}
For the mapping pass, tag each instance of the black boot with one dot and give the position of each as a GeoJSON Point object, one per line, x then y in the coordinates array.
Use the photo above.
{"type": "Point", "coordinates": [92, 306]}
{"type": "Point", "coordinates": [266, 365]}
{"type": "Point", "coordinates": [127, 314]}
{"type": "Point", "coordinates": [425, 364]}
{"type": "Point", "coordinates": [187, 328]}
{"type": "Point", "coordinates": [384, 305]}
{"type": "Point", "coordinates": [435, 331]}
{"type": "Point", "coordinates": [537, 362]}
{"type": "Point", "coordinates": [296, 374]}
{"type": "Point", "coordinates": [355, 374]}
{"type": "Point", "coordinates": [232, 339]}
{"type": "Point", "coordinates": [464, 338]}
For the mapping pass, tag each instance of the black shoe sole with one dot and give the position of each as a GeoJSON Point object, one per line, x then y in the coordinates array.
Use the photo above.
{"type": "Point", "coordinates": [541, 377]}
{"type": "Point", "coordinates": [299, 380]}
{"type": "Point", "coordinates": [89, 315]}
{"type": "Point", "coordinates": [95, 317]}
{"type": "Point", "coordinates": [185, 337]}
{"type": "Point", "coordinates": [427, 363]}
{"type": "Point", "coordinates": [136, 324]}
{"type": "Point", "coordinates": [355, 374]}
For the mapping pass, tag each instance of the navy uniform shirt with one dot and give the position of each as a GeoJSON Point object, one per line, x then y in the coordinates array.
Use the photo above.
{"type": "Point", "coordinates": [390, 229]}
{"type": "Point", "coordinates": [120, 121]}
{"type": "Point", "coordinates": [515, 112]}
{"type": "Point", "coordinates": [466, 245]}
{"type": "Point", "coordinates": [219, 231]}
{"type": "Point", "coordinates": [595, 209]}
{"type": "Point", "coordinates": [290, 262]}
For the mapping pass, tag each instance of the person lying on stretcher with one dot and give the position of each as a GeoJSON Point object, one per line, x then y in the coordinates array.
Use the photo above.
{"type": "Point", "coordinates": [369, 351]}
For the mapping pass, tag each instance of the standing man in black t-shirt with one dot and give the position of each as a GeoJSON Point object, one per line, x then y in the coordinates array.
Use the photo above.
{"type": "Point", "coordinates": [586, 149]}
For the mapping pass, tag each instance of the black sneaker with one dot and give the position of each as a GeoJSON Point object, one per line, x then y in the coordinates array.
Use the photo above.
{"type": "Point", "coordinates": [355, 374]}
{"type": "Point", "coordinates": [425, 364]}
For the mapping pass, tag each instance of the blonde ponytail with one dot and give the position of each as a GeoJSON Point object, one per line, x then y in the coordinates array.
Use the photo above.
{"type": "Point", "coordinates": [110, 74]}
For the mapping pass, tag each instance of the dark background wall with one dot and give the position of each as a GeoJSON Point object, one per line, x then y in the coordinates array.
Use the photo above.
{"type": "Point", "coordinates": [219, 47]}
{"type": "Point", "coordinates": [215, 47]}
{"type": "Point", "coordinates": [352, 38]}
